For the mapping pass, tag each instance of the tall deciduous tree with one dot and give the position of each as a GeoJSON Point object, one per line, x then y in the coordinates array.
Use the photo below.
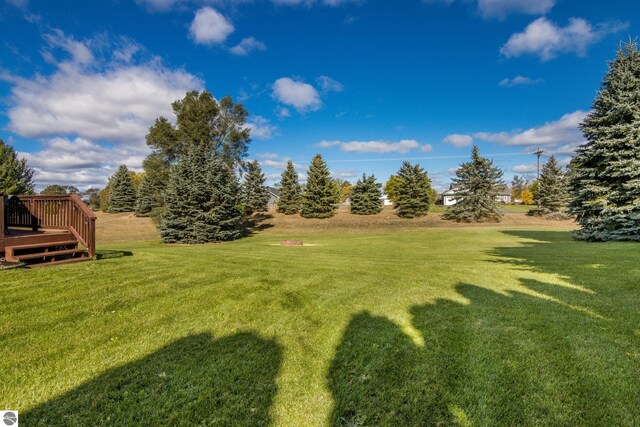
{"type": "Point", "coordinates": [391, 188]}
{"type": "Point", "coordinates": [477, 185]}
{"type": "Point", "coordinates": [366, 196]}
{"type": "Point", "coordinates": [321, 195]}
{"type": "Point", "coordinates": [122, 193]}
{"type": "Point", "coordinates": [255, 195]}
{"type": "Point", "coordinates": [200, 120]}
{"type": "Point", "coordinates": [413, 192]}
{"type": "Point", "coordinates": [59, 190]}
{"type": "Point", "coordinates": [15, 176]}
{"type": "Point", "coordinates": [290, 191]}
{"type": "Point", "coordinates": [605, 182]}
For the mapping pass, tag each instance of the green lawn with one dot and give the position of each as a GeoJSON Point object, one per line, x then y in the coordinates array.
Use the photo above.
{"type": "Point", "coordinates": [474, 326]}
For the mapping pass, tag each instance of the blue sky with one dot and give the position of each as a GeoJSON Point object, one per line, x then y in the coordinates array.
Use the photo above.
{"type": "Point", "coordinates": [365, 83]}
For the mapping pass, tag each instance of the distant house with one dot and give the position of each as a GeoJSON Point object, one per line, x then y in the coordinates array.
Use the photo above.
{"type": "Point", "coordinates": [385, 200]}
{"type": "Point", "coordinates": [274, 196]}
{"type": "Point", "coordinates": [449, 197]}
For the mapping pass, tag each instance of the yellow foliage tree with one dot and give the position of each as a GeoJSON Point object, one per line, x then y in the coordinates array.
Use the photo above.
{"type": "Point", "coordinates": [526, 196]}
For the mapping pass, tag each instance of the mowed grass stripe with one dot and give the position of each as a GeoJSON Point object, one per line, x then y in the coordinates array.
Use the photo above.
{"type": "Point", "coordinates": [449, 325]}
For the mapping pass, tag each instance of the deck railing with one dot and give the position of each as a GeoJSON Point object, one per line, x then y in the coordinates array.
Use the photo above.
{"type": "Point", "coordinates": [53, 212]}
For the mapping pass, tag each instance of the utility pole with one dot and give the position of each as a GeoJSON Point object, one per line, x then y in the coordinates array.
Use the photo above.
{"type": "Point", "coordinates": [538, 153]}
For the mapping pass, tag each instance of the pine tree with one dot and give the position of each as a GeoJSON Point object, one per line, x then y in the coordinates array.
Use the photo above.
{"type": "Point", "coordinates": [15, 176]}
{"type": "Point", "coordinates": [413, 192]}
{"type": "Point", "coordinates": [122, 193]}
{"type": "Point", "coordinates": [223, 210]}
{"type": "Point", "coordinates": [321, 195]}
{"type": "Point", "coordinates": [366, 196]}
{"type": "Point", "coordinates": [605, 182]}
{"type": "Point", "coordinates": [477, 185]}
{"type": "Point", "coordinates": [188, 192]}
{"type": "Point", "coordinates": [147, 197]}
{"type": "Point", "coordinates": [255, 194]}
{"type": "Point", "coordinates": [290, 191]}
{"type": "Point", "coordinates": [553, 196]}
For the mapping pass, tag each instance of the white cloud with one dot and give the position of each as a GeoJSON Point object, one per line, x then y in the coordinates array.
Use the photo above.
{"type": "Point", "coordinates": [299, 95]}
{"type": "Point", "coordinates": [261, 128]}
{"type": "Point", "coordinates": [519, 81]}
{"type": "Point", "coordinates": [246, 46]}
{"type": "Point", "coordinates": [426, 148]}
{"type": "Point", "coordinates": [547, 40]}
{"type": "Point", "coordinates": [267, 156]}
{"type": "Point", "coordinates": [22, 4]}
{"type": "Point", "coordinates": [92, 116]}
{"type": "Point", "coordinates": [283, 113]}
{"type": "Point", "coordinates": [209, 27]}
{"type": "Point", "coordinates": [327, 84]}
{"type": "Point", "coordinates": [458, 140]}
{"type": "Point", "coordinates": [282, 165]}
{"type": "Point", "coordinates": [562, 131]}
{"type": "Point", "coordinates": [81, 162]}
{"type": "Point", "coordinates": [499, 9]}
{"type": "Point", "coordinates": [525, 168]}
{"type": "Point", "coordinates": [80, 53]}
{"type": "Point", "coordinates": [404, 146]}
{"type": "Point", "coordinates": [344, 174]}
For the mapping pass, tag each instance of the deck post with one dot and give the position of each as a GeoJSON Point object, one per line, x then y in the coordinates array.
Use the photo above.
{"type": "Point", "coordinates": [2, 224]}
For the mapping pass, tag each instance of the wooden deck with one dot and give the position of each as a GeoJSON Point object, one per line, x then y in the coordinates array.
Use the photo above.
{"type": "Point", "coordinates": [42, 230]}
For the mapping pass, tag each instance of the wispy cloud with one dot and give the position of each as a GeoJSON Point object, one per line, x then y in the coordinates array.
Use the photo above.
{"type": "Point", "coordinates": [560, 132]}
{"type": "Point", "coordinates": [247, 45]}
{"type": "Point", "coordinates": [404, 146]}
{"type": "Point", "coordinates": [519, 81]}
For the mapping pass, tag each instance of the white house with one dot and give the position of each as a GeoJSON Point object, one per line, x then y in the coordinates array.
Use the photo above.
{"type": "Point", "coordinates": [449, 197]}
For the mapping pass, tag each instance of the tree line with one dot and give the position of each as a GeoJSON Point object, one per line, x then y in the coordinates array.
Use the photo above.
{"type": "Point", "coordinates": [198, 185]}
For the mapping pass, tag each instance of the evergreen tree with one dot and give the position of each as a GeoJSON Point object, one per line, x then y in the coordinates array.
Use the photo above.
{"type": "Point", "coordinates": [477, 185]}
{"type": "Point", "coordinates": [321, 195]}
{"type": "Point", "coordinates": [122, 194]}
{"type": "Point", "coordinates": [413, 191]}
{"type": "Point", "coordinates": [15, 176]}
{"type": "Point", "coordinates": [224, 207]}
{"type": "Point", "coordinates": [605, 182]}
{"type": "Point", "coordinates": [200, 120]}
{"type": "Point", "coordinates": [290, 191]}
{"type": "Point", "coordinates": [366, 196]}
{"type": "Point", "coordinates": [146, 201]}
{"type": "Point", "coordinates": [255, 194]}
{"type": "Point", "coordinates": [202, 200]}
{"type": "Point", "coordinates": [552, 189]}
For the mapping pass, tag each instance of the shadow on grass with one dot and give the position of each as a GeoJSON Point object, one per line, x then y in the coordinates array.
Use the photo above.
{"type": "Point", "coordinates": [109, 254]}
{"type": "Point", "coordinates": [500, 360]}
{"type": "Point", "coordinates": [193, 381]}
{"type": "Point", "coordinates": [256, 223]}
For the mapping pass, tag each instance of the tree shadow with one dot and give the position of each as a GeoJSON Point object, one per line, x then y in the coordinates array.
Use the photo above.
{"type": "Point", "coordinates": [502, 359]}
{"type": "Point", "coordinates": [111, 254]}
{"type": "Point", "coordinates": [256, 223]}
{"type": "Point", "coordinates": [195, 380]}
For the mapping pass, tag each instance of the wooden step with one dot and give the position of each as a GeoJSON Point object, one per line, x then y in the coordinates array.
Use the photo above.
{"type": "Point", "coordinates": [10, 251]}
{"type": "Point", "coordinates": [43, 245]}
{"type": "Point", "coordinates": [63, 261]}
{"type": "Point", "coordinates": [49, 254]}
